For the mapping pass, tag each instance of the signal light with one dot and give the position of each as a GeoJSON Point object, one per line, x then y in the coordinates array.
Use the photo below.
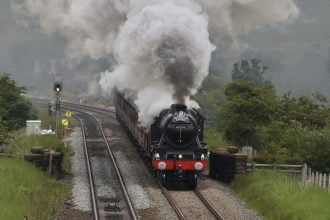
{"type": "Point", "coordinates": [58, 86]}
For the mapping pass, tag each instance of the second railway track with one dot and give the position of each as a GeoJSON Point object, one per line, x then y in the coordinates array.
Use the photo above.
{"type": "Point", "coordinates": [109, 197]}
{"type": "Point", "coordinates": [112, 199]}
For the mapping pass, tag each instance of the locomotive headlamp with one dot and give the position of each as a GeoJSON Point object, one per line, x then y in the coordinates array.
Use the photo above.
{"type": "Point", "coordinates": [202, 157]}
{"type": "Point", "coordinates": [162, 165]}
{"type": "Point", "coordinates": [156, 156]}
{"type": "Point", "coordinates": [198, 166]}
{"type": "Point", "coordinates": [180, 156]}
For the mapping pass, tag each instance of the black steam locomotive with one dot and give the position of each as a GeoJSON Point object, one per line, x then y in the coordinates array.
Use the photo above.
{"type": "Point", "coordinates": [173, 143]}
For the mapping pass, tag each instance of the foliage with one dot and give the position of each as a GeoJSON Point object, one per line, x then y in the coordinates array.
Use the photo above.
{"type": "Point", "coordinates": [249, 71]}
{"type": "Point", "coordinates": [247, 108]}
{"type": "Point", "coordinates": [210, 97]}
{"type": "Point", "coordinates": [311, 113]}
{"type": "Point", "coordinates": [15, 108]}
{"type": "Point", "coordinates": [214, 139]}
{"type": "Point", "coordinates": [3, 132]}
{"type": "Point", "coordinates": [298, 132]}
{"type": "Point", "coordinates": [284, 129]}
{"type": "Point", "coordinates": [276, 195]}
{"type": "Point", "coordinates": [27, 191]}
{"type": "Point", "coordinates": [98, 101]}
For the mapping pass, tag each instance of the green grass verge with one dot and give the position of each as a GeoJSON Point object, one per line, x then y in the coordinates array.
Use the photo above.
{"type": "Point", "coordinates": [22, 144]}
{"type": "Point", "coordinates": [276, 195]}
{"type": "Point", "coordinates": [214, 139]}
{"type": "Point", "coordinates": [27, 191]}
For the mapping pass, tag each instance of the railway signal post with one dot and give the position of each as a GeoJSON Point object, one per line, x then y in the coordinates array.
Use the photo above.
{"type": "Point", "coordinates": [58, 89]}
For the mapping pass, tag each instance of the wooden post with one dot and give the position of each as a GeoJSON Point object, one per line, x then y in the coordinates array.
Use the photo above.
{"type": "Point", "coordinates": [253, 165]}
{"type": "Point", "coordinates": [320, 179]}
{"type": "Point", "coordinates": [312, 180]}
{"type": "Point", "coordinates": [65, 144]}
{"type": "Point", "coordinates": [274, 166]}
{"type": "Point", "coordinates": [316, 178]}
{"type": "Point", "coordinates": [304, 174]}
{"type": "Point", "coordinates": [50, 163]}
{"type": "Point", "coordinates": [324, 180]}
{"type": "Point", "coordinates": [329, 182]}
{"type": "Point", "coordinates": [309, 175]}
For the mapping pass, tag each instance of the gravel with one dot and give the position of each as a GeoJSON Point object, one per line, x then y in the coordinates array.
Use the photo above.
{"type": "Point", "coordinates": [80, 186]}
{"type": "Point", "coordinates": [103, 177]}
{"type": "Point", "coordinates": [225, 200]}
{"type": "Point", "coordinates": [191, 206]}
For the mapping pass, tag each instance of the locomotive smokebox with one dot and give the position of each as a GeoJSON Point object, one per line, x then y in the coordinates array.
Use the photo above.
{"type": "Point", "coordinates": [179, 126]}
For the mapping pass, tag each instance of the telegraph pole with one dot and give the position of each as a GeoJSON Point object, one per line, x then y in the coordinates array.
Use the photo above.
{"type": "Point", "coordinates": [58, 90]}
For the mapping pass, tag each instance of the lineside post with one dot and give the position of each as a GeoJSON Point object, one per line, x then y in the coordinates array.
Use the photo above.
{"type": "Point", "coordinates": [58, 90]}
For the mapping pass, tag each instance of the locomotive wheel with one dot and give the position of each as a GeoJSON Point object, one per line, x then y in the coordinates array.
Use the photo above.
{"type": "Point", "coordinates": [164, 179]}
{"type": "Point", "coordinates": [192, 180]}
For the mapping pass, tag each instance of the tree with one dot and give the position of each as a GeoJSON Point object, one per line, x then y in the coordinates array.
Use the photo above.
{"type": "Point", "coordinates": [298, 132]}
{"type": "Point", "coordinates": [210, 97]}
{"type": "Point", "coordinates": [15, 107]}
{"type": "Point", "coordinates": [311, 113]}
{"type": "Point", "coordinates": [247, 108]}
{"type": "Point", "coordinates": [250, 72]}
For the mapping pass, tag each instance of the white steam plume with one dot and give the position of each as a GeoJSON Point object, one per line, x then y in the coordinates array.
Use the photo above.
{"type": "Point", "coordinates": [162, 48]}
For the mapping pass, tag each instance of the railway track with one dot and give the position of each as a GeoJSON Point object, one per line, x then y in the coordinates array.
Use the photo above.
{"type": "Point", "coordinates": [108, 205]}
{"type": "Point", "coordinates": [169, 194]}
{"type": "Point", "coordinates": [109, 197]}
{"type": "Point", "coordinates": [172, 197]}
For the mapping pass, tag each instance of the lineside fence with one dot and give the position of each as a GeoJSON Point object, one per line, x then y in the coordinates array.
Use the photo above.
{"type": "Point", "coordinates": [315, 178]}
{"type": "Point", "coordinates": [302, 173]}
{"type": "Point", "coordinates": [296, 170]}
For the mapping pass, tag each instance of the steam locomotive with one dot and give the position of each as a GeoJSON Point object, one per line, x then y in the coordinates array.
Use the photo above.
{"type": "Point", "coordinates": [173, 144]}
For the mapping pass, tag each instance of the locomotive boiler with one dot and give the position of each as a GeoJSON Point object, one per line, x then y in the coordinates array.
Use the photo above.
{"type": "Point", "coordinates": [173, 144]}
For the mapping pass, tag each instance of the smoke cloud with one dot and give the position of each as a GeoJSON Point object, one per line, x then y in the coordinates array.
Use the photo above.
{"type": "Point", "coordinates": [161, 49]}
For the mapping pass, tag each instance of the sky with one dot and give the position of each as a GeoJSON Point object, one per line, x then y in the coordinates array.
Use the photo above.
{"type": "Point", "coordinates": [297, 55]}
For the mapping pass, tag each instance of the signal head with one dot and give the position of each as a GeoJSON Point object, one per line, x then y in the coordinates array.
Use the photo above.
{"type": "Point", "coordinates": [58, 86]}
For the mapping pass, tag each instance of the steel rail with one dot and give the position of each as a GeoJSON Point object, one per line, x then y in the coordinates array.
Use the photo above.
{"type": "Point", "coordinates": [172, 201]}
{"type": "Point", "coordinates": [119, 175]}
{"type": "Point", "coordinates": [210, 207]}
{"type": "Point", "coordinates": [89, 169]}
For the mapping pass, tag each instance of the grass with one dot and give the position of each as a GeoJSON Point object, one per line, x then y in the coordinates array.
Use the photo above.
{"type": "Point", "coordinates": [22, 144]}
{"type": "Point", "coordinates": [276, 195]}
{"type": "Point", "coordinates": [214, 139]}
{"type": "Point", "coordinates": [27, 191]}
